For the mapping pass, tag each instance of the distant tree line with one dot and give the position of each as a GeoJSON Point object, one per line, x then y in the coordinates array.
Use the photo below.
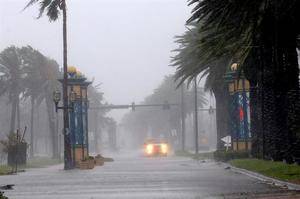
{"type": "Point", "coordinates": [158, 121]}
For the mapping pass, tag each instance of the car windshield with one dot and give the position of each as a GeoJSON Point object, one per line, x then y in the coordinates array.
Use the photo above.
{"type": "Point", "coordinates": [149, 99]}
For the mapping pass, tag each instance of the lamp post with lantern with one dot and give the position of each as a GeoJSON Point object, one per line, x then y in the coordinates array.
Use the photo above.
{"type": "Point", "coordinates": [239, 109]}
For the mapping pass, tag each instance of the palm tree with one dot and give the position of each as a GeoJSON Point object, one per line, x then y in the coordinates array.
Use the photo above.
{"type": "Point", "coordinates": [95, 100]}
{"type": "Point", "coordinates": [263, 32]}
{"type": "Point", "coordinates": [34, 85]}
{"type": "Point", "coordinates": [189, 63]}
{"type": "Point", "coordinates": [53, 8]}
{"type": "Point", "coordinates": [12, 69]}
{"type": "Point", "coordinates": [40, 82]}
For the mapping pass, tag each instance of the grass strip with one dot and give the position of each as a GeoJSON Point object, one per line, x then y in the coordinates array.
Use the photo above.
{"type": "Point", "coordinates": [40, 162]}
{"type": "Point", "coordinates": [278, 170]}
{"type": "Point", "coordinates": [5, 170]}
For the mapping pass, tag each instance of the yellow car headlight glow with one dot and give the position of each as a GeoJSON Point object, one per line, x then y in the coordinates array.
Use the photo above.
{"type": "Point", "coordinates": [149, 148]}
{"type": "Point", "coordinates": [164, 148]}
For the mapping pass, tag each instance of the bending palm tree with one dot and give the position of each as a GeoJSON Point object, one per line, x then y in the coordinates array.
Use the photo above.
{"type": "Point", "coordinates": [53, 8]}
{"type": "Point", "coordinates": [262, 35]}
{"type": "Point", "coordinates": [12, 81]}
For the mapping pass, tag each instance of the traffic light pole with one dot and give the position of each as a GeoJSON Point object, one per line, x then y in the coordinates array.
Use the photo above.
{"type": "Point", "coordinates": [133, 106]}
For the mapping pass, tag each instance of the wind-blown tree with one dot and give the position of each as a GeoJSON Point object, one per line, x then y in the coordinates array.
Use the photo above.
{"type": "Point", "coordinates": [111, 126]}
{"type": "Point", "coordinates": [12, 67]}
{"type": "Point", "coordinates": [34, 85]}
{"type": "Point", "coordinates": [27, 73]}
{"type": "Point", "coordinates": [49, 73]}
{"type": "Point", "coordinates": [97, 118]}
{"type": "Point", "coordinates": [189, 63]}
{"type": "Point", "coordinates": [53, 8]}
{"type": "Point", "coordinates": [261, 36]}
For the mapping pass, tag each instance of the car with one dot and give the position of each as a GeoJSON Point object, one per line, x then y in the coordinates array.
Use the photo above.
{"type": "Point", "coordinates": [156, 148]}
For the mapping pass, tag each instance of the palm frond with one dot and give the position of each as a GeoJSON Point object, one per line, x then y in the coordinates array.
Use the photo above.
{"type": "Point", "coordinates": [50, 7]}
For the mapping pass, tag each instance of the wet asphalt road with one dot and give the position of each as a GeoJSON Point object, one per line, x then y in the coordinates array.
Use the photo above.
{"type": "Point", "coordinates": [137, 177]}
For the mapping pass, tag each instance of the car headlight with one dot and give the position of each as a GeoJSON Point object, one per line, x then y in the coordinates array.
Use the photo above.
{"type": "Point", "coordinates": [149, 148]}
{"type": "Point", "coordinates": [164, 148]}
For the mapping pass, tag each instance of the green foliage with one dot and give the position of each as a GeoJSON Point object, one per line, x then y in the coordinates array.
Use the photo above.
{"type": "Point", "coordinates": [11, 70]}
{"type": "Point", "coordinates": [5, 170]}
{"type": "Point", "coordinates": [40, 75]}
{"type": "Point", "coordinates": [262, 37]}
{"type": "Point", "coordinates": [273, 169]}
{"type": "Point", "coordinates": [26, 71]}
{"type": "Point", "coordinates": [2, 195]}
{"type": "Point", "coordinates": [229, 155]}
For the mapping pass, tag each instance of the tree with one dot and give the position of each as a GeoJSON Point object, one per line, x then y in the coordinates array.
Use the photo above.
{"type": "Point", "coordinates": [33, 76]}
{"type": "Point", "coordinates": [97, 118]}
{"type": "Point", "coordinates": [53, 8]}
{"type": "Point", "coordinates": [12, 68]}
{"type": "Point", "coordinates": [189, 63]}
{"type": "Point", "coordinates": [159, 121]}
{"type": "Point", "coordinates": [263, 32]}
{"type": "Point", "coordinates": [34, 85]}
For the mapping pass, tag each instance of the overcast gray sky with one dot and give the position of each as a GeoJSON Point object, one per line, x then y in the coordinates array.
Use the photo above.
{"type": "Point", "coordinates": [124, 44]}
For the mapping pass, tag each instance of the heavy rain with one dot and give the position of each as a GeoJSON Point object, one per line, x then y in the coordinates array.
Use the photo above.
{"type": "Point", "coordinates": [149, 99]}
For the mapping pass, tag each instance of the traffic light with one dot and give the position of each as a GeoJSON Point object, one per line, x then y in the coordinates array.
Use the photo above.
{"type": "Point", "coordinates": [166, 105]}
{"type": "Point", "coordinates": [133, 106]}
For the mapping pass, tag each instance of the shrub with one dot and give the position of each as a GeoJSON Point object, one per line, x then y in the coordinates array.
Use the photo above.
{"type": "Point", "coordinates": [2, 196]}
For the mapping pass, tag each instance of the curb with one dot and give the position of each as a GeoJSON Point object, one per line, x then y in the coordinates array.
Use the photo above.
{"type": "Point", "coordinates": [265, 179]}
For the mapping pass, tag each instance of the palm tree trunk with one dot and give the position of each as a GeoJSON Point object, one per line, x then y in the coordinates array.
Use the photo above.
{"type": "Point", "coordinates": [252, 71]}
{"type": "Point", "coordinates": [256, 136]}
{"type": "Point", "coordinates": [18, 113]}
{"type": "Point", "coordinates": [280, 87]}
{"type": "Point", "coordinates": [96, 133]}
{"type": "Point", "coordinates": [32, 127]}
{"type": "Point", "coordinates": [67, 141]}
{"type": "Point", "coordinates": [13, 115]}
{"type": "Point", "coordinates": [222, 99]}
{"type": "Point", "coordinates": [53, 132]}
{"type": "Point", "coordinates": [292, 100]}
{"type": "Point", "coordinates": [68, 164]}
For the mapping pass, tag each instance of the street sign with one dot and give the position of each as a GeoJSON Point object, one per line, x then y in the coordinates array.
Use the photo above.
{"type": "Point", "coordinates": [227, 141]}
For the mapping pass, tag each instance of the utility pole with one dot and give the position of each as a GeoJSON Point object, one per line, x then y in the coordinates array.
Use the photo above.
{"type": "Point", "coordinates": [182, 118]}
{"type": "Point", "coordinates": [196, 116]}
